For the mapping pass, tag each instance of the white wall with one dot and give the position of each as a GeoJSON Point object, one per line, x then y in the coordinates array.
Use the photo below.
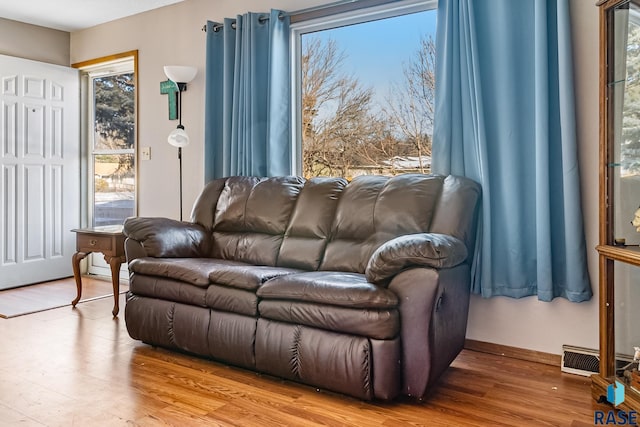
{"type": "Point", "coordinates": [172, 35]}
{"type": "Point", "coordinates": [168, 36]}
{"type": "Point", "coordinates": [34, 42]}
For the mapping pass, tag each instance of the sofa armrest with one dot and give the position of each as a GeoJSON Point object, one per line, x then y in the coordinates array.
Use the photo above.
{"type": "Point", "coordinates": [434, 307]}
{"type": "Point", "coordinates": [165, 238]}
{"type": "Point", "coordinates": [414, 250]}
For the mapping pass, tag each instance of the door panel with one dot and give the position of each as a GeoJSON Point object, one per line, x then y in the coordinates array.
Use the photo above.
{"type": "Point", "coordinates": [33, 212]}
{"type": "Point", "coordinates": [9, 128]}
{"type": "Point", "coordinates": [40, 170]}
{"type": "Point", "coordinates": [9, 214]}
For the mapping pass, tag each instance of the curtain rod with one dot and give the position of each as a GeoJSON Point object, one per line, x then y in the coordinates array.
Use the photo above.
{"type": "Point", "coordinates": [321, 11]}
{"type": "Point", "coordinates": [262, 19]}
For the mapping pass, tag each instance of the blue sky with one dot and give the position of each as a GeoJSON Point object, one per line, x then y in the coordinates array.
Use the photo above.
{"type": "Point", "coordinates": [376, 51]}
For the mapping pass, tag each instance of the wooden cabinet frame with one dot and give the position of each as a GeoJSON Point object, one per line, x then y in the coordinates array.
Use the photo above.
{"type": "Point", "coordinates": [608, 252]}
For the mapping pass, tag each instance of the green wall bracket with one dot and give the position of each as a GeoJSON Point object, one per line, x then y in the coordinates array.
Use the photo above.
{"type": "Point", "coordinates": [171, 89]}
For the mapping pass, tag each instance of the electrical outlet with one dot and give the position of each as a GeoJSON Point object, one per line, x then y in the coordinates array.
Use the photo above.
{"type": "Point", "coordinates": [145, 153]}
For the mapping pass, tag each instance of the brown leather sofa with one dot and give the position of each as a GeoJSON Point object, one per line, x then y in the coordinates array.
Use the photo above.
{"type": "Point", "coordinates": [361, 288]}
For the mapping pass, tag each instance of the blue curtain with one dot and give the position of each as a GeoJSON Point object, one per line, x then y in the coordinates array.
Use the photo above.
{"type": "Point", "coordinates": [505, 118]}
{"type": "Point", "coordinates": [247, 99]}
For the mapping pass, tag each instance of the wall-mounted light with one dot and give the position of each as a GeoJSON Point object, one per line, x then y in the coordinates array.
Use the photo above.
{"type": "Point", "coordinates": [180, 75]}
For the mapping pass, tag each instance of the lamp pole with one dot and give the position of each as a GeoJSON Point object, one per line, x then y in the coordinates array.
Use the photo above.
{"type": "Point", "coordinates": [180, 162]}
{"type": "Point", "coordinates": [181, 87]}
{"type": "Point", "coordinates": [180, 75]}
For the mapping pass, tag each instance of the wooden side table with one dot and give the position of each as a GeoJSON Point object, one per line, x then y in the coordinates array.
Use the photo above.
{"type": "Point", "coordinates": [109, 241]}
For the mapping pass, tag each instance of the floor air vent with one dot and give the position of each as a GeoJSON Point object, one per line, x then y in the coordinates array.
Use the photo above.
{"type": "Point", "coordinates": [586, 361]}
{"type": "Point", "coordinates": [580, 361]}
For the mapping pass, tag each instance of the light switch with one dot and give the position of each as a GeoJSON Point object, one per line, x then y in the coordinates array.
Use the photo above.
{"type": "Point", "coordinates": [145, 153]}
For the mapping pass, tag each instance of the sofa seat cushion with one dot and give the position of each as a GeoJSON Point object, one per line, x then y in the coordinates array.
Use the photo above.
{"type": "Point", "coordinates": [191, 270]}
{"type": "Point", "coordinates": [167, 289]}
{"type": "Point", "coordinates": [380, 324]}
{"type": "Point", "coordinates": [233, 300]}
{"type": "Point", "coordinates": [329, 288]}
{"type": "Point", "coordinates": [204, 271]}
{"type": "Point", "coordinates": [245, 276]}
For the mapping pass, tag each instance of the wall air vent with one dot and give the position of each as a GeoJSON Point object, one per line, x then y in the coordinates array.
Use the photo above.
{"type": "Point", "coordinates": [580, 361]}
{"type": "Point", "coordinates": [586, 361]}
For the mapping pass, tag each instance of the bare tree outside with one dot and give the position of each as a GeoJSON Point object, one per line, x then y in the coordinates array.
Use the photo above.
{"type": "Point", "coordinates": [336, 111]}
{"type": "Point", "coordinates": [346, 133]}
{"type": "Point", "coordinates": [410, 108]}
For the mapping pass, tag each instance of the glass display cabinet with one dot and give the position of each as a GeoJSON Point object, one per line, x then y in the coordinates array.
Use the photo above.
{"type": "Point", "coordinates": [619, 237]}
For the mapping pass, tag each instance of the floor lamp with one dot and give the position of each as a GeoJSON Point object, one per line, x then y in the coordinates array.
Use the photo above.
{"type": "Point", "coordinates": [180, 75]}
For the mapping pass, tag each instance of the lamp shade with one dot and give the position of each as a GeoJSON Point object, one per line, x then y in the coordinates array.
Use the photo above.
{"type": "Point", "coordinates": [178, 138]}
{"type": "Point", "coordinates": [180, 73]}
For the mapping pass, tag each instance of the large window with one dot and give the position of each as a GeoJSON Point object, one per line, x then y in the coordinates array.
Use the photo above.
{"type": "Point", "coordinates": [365, 91]}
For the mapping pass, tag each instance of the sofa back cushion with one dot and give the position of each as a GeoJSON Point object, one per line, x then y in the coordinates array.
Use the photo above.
{"type": "Point", "coordinates": [204, 209]}
{"type": "Point", "coordinates": [310, 224]}
{"type": "Point", "coordinates": [375, 209]}
{"type": "Point", "coordinates": [251, 217]}
{"type": "Point", "coordinates": [457, 210]}
{"type": "Point", "coordinates": [327, 223]}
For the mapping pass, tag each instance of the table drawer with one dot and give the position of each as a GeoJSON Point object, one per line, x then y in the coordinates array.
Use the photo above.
{"type": "Point", "coordinates": [94, 243]}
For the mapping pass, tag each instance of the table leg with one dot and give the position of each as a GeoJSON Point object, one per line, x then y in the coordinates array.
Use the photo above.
{"type": "Point", "coordinates": [75, 263]}
{"type": "Point", "coordinates": [115, 263]}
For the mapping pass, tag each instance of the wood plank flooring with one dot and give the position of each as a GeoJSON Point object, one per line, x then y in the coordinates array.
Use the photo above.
{"type": "Point", "coordinates": [78, 367]}
{"type": "Point", "coordinates": [58, 293]}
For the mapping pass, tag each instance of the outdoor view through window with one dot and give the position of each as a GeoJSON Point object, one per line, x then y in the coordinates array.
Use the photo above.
{"type": "Point", "coordinates": [113, 148]}
{"type": "Point", "coordinates": [368, 97]}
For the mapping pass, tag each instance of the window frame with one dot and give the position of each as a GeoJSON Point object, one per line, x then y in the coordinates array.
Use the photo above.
{"type": "Point", "coordinates": [352, 17]}
{"type": "Point", "coordinates": [107, 70]}
{"type": "Point", "coordinates": [99, 66]}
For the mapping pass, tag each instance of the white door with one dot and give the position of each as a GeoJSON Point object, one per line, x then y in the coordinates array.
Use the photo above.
{"type": "Point", "coordinates": [39, 170]}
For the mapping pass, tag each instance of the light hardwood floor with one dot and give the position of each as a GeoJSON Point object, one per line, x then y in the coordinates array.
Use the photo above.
{"type": "Point", "coordinates": [34, 298]}
{"type": "Point", "coordinates": [78, 367]}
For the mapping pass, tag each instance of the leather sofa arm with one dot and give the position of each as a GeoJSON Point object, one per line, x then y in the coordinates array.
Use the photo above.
{"type": "Point", "coordinates": [414, 250]}
{"type": "Point", "coordinates": [164, 238]}
{"type": "Point", "coordinates": [434, 306]}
